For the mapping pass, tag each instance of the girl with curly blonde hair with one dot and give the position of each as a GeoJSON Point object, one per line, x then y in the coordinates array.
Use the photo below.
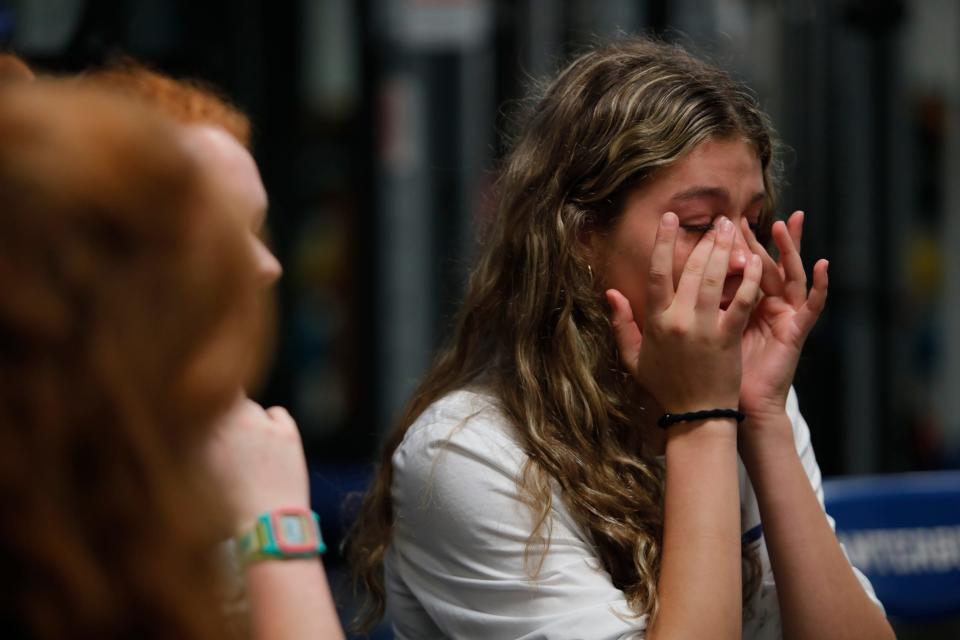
{"type": "Point", "coordinates": [569, 466]}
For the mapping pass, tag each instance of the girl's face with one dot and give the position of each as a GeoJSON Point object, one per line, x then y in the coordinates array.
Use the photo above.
{"type": "Point", "coordinates": [235, 185]}
{"type": "Point", "coordinates": [718, 178]}
{"type": "Point", "coordinates": [234, 176]}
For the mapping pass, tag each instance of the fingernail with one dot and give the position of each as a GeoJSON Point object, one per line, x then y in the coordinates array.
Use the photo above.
{"type": "Point", "coordinates": [725, 225]}
{"type": "Point", "coordinates": [669, 219]}
{"type": "Point", "coordinates": [739, 258]}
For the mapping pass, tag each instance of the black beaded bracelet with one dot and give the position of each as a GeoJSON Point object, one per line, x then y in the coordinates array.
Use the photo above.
{"type": "Point", "coordinates": [668, 419]}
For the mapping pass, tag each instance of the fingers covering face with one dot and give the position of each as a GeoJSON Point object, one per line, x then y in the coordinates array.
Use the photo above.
{"type": "Point", "coordinates": [771, 280]}
{"type": "Point", "coordinates": [795, 227]}
{"type": "Point", "coordinates": [688, 289]}
{"type": "Point", "coordinates": [660, 280]}
{"type": "Point", "coordinates": [808, 314]}
{"type": "Point", "coordinates": [738, 313]}
{"type": "Point", "coordinates": [795, 279]}
{"type": "Point", "coordinates": [625, 329]}
{"type": "Point", "coordinates": [715, 273]}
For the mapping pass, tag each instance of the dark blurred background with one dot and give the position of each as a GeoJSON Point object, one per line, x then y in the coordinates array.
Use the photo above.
{"type": "Point", "coordinates": [379, 126]}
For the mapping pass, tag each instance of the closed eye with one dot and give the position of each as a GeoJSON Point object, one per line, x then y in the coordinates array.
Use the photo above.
{"type": "Point", "coordinates": [703, 228]}
{"type": "Point", "coordinates": [697, 228]}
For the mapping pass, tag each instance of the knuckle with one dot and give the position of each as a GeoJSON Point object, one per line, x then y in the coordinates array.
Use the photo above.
{"type": "Point", "coordinates": [658, 275]}
{"type": "Point", "coordinates": [677, 329]}
{"type": "Point", "coordinates": [695, 266]}
{"type": "Point", "coordinates": [712, 280]}
{"type": "Point", "coordinates": [741, 309]}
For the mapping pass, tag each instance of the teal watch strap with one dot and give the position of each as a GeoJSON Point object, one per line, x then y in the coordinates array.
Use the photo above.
{"type": "Point", "coordinates": [280, 534]}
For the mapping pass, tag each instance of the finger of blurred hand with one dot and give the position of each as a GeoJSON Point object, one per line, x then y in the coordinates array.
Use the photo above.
{"type": "Point", "coordinates": [280, 414]}
{"type": "Point", "coordinates": [283, 421]}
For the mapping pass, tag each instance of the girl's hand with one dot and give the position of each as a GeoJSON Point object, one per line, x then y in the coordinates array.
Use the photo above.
{"type": "Point", "coordinates": [780, 323]}
{"type": "Point", "coordinates": [688, 355]}
{"type": "Point", "coordinates": [256, 457]}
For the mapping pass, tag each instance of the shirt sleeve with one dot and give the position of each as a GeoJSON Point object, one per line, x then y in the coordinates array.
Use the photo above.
{"type": "Point", "coordinates": [458, 565]}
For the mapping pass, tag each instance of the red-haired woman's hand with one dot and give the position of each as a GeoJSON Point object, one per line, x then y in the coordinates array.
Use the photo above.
{"type": "Point", "coordinates": [779, 325]}
{"type": "Point", "coordinates": [688, 355]}
{"type": "Point", "coordinates": [257, 457]}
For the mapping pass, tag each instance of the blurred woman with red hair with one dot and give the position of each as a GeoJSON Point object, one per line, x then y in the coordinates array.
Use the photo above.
{"type": "Point", "coordinates": [130, 303]}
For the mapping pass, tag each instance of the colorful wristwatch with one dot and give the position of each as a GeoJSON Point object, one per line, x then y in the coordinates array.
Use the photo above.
{"type": "Point", "coordinates": [290, 532]}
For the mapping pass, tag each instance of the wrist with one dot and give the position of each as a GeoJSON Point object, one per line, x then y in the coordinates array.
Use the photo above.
{"type": "Point", "coordinates": [700, 402]}
{"type": "Point", "coordinates": [761, 436]}
{"type": "Point", "coordinates": [290, 532]}
{"type": "Point", "coordinates": [767, 405]}
{"type": "Point", "coordinates": [772, 422]}
{"type": "Point", "coordinates": [766, 411]}
{"type": "Point", "coordinates": [701, 432]}
{"type": "Point", "coordinates": [691, 446]}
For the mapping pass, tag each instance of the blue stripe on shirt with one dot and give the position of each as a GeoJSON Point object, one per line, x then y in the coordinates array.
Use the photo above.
{"type": "Point", "coordinates": [752, 535]}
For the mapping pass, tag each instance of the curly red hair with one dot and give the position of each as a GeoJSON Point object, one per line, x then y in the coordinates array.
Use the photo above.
{"type": "Point", "coordinates": [124, 306]}
{"type": "Point", "coordinates": [184, 101]}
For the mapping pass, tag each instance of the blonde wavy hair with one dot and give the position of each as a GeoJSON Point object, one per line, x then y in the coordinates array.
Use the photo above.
{"type": "Point", "coordinates": [533, 328]}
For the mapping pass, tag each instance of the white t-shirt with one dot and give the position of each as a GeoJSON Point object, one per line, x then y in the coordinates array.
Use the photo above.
{"type": "Point", "coordinates": [455, 567]}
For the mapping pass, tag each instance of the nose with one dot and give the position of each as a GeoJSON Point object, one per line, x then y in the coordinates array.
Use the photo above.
{"type": "Point", "coordinates": [268, 267]}
{"type": "Point", "coordinates": [739, 253]}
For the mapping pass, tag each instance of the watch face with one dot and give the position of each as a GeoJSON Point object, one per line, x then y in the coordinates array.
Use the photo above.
{"type": "Point", "coordinates": [295, 532]}
{"type": "Point", "coordinates": [292, 530]}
